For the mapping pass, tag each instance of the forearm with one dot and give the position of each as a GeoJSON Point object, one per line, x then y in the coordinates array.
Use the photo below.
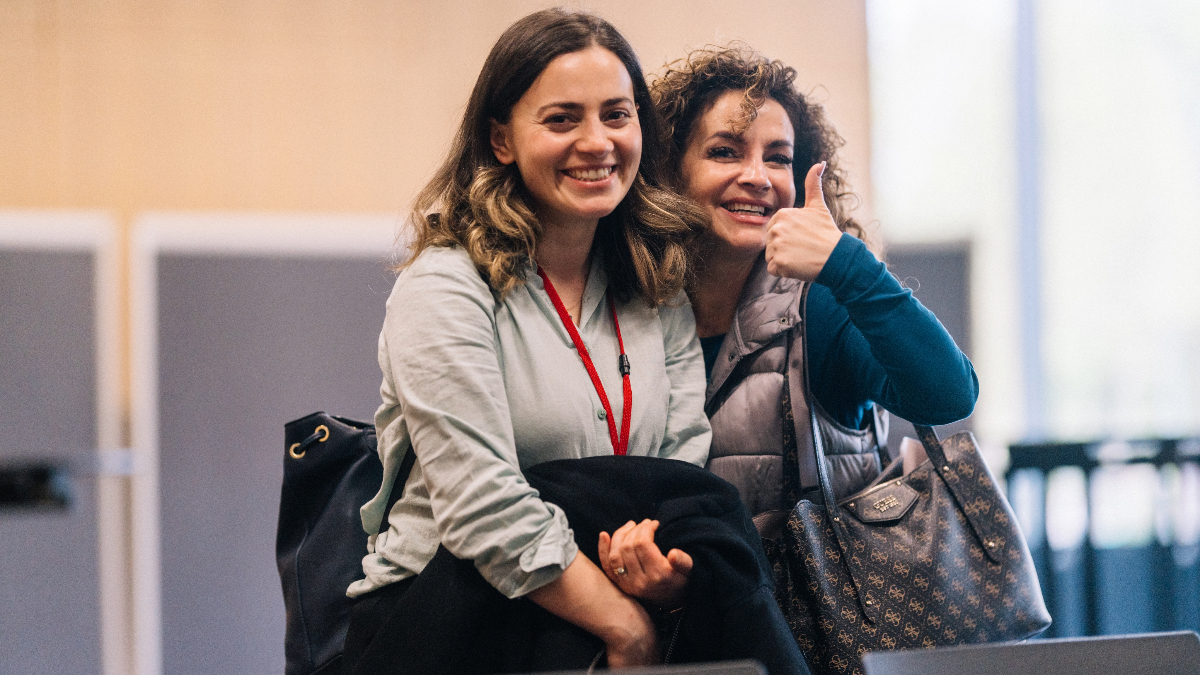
{"type": "Point", "coordinates": [442, 366]}
{"type": "Point", "coordinates": [584, 596]}
{"type": "Point", "coordinates": [894, 348]}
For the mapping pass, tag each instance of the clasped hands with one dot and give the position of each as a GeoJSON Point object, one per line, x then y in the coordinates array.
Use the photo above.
{"type": "Point", "coordinates": [635, 564]}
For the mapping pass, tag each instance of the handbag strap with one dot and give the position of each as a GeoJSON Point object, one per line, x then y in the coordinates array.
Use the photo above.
{"type": "Point", "coordinates": [806, 465]}
{"type": "Point", "coordinates": [932, 444]}
{"type": "Point", "coordinates": [953, 471]}
{"type": "Point", "coordinates": [792, 456]}
{"type": "Point", "coordinates": [793, 488]}
{"type": "Point", "coordinates": [841, 536]}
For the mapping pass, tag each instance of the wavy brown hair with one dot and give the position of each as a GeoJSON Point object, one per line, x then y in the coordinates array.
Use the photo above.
{"type": "Point", "coordinates": [478, 203]}
{"type": "Point", "coordinates": [688, 88]}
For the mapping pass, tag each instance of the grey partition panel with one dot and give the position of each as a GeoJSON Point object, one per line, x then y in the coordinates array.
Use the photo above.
{"type": "Point", "coordinates": [49, 583]}
{"type": "Point", "coordinates": [246, 344]}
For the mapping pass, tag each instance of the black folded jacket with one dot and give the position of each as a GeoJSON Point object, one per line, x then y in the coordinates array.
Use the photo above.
{"type": "Point", "coordinates": [451, 620]}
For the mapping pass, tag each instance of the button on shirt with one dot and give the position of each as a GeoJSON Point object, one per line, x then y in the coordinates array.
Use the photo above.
{"type": "Point", "coordinates": [484, 387]}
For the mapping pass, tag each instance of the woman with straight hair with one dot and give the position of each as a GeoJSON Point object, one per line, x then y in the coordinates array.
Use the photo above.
{"type": "Point", "coordinates": [549, 264]}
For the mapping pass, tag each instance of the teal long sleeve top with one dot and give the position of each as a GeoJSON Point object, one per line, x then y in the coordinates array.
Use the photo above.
{"type": "Point", "coordinates": [871, 341]}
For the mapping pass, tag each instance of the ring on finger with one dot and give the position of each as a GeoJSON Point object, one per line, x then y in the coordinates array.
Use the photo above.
{"type": "Point", "coordinates": [620, 571]}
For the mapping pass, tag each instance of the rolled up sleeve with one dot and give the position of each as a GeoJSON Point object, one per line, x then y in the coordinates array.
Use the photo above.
{"type": "Point", "coordinates": [444, 361]}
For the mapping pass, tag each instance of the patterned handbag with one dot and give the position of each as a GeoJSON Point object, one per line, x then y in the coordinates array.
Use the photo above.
{"type": "Point", "coordinates": [928, 559]}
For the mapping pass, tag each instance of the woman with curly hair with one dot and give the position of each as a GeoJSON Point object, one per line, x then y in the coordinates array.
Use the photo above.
{"type": "Point", "coordinates": [782, 277]}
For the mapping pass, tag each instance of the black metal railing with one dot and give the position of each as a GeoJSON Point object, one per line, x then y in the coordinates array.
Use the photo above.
{"type": "Point", "coordinates": [1114, 528]}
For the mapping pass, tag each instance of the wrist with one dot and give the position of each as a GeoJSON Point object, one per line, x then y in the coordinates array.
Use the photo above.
{"type": "Point", "coordinates": [629, 625]}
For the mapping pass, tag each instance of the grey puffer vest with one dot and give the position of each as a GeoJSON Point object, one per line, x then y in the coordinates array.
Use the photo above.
{"type": "Point", "coordinates": [764, 349]}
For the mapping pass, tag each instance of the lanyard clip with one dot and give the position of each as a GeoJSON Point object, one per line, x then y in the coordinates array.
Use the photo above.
{"type": "Point", "coordinates": [623, 362]}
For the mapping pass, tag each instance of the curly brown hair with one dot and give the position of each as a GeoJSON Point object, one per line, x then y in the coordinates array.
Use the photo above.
{"type": "Point", "coordinates": [687, 88]}
{"type": "Point", "coordinates": [475, 202]}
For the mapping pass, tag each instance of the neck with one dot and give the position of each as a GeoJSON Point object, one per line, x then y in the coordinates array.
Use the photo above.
{"type": "Point", "coordinates": [564, 254]}
{"type": "Point", "coordinates": [716, 289]}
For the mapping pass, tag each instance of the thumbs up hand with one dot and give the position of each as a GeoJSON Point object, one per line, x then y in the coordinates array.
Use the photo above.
{"type": "Point", "coordinates": [799, 241]}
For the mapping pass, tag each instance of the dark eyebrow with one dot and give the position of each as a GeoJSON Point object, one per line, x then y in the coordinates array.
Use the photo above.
{"type": "Point", "coordinates": [579, 106]}
{"type": "Point", "coordinates": [738, 138]}
{"type": "Point", "coordinates": [565, 106]}
{"type": "Point", "coordinates": [617, 100]}
{"type": "Point", "coordinates": [729, 136]}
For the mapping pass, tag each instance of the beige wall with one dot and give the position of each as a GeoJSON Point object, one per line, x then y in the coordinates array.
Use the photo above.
{"type": "Point", "coordinates": [285, 105]}
{"type": "Point", "coordinates": [280, 105]}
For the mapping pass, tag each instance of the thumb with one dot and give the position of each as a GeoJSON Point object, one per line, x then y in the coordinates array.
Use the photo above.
{"type": "Point", "coordinates": [603, 547]}
{"type": "Point", "coordinates": [680, 561]}
{"type": "Point", "coordinates": [813, 195]}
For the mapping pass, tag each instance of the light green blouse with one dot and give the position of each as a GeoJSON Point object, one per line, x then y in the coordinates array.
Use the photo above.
{"type": "Point", "coordinates": [484, 388]}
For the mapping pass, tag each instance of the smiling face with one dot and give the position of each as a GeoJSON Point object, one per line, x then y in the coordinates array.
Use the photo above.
{"type": "Point", "coordinates": [742, 179]}
{"type": "Point", "coordinates": [575, 138]}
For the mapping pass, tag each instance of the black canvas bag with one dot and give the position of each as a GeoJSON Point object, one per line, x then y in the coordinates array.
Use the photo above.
{"type": "Point", "coordinates": [330, 469]}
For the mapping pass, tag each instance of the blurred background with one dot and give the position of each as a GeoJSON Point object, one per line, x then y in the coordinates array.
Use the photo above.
{"type": "Point", "coordinates": [199, 202]}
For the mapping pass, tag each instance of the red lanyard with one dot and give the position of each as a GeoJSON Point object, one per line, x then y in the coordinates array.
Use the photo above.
{"type": "Point", "coordinates": [620, 441]}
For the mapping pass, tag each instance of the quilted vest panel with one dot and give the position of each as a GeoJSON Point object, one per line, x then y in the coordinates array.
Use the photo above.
{"type": "Point", "coordinates": [747, 420]}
